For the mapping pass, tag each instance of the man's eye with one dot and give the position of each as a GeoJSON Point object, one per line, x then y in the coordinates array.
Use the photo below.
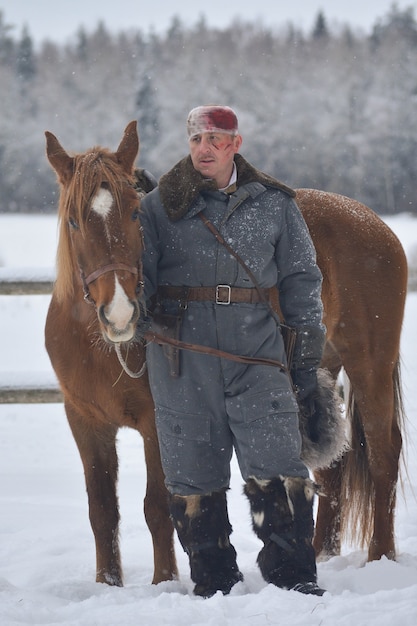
{"type": "Point", "coordinates": [215, 140]}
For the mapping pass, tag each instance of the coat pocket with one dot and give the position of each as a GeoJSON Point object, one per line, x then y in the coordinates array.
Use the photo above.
{"type": "Point", "coordinates": [184, 445]}
{"type": "Point", "coordinates": [191, 427]}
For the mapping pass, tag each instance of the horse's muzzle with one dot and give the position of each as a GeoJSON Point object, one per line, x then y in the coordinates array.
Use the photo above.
{"type": "Point", "coordinates": [117, 328]}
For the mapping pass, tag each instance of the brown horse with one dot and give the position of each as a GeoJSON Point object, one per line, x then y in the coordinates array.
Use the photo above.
{"type": "Point", "coordinates": [99, 263]}
{"type": "Point", "coordinates": [364, 288]}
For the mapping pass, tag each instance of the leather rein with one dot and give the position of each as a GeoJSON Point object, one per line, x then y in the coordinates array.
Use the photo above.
{"type": "Point", "coordinates": [159, 339]}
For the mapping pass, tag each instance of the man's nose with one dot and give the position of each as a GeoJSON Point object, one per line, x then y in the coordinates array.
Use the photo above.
{"type": "Point", "coordinates": [205, 145]}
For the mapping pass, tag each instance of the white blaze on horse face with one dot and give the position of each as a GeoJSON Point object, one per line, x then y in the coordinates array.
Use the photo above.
{"type": "Point", "coordinates": [102, 203]}
{"type": "Point", "coordinates": [120, 310]}
{"type": "Point", "coordinates": [119, 315]}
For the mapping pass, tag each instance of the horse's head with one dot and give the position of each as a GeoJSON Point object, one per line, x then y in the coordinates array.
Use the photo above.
{"type": "Point", "coordinates": [100, 239]}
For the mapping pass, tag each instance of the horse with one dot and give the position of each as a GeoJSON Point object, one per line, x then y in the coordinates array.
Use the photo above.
{"type": "Point", "coordinates": [95, 307]}
{"type": "Point", "coordinates": [364, 289]}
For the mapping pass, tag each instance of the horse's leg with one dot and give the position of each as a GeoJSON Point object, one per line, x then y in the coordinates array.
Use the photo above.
{"type": "Point", "coordinates": [156, 511]}
{"type": "Point", "coordinates": [384, 442]}
{"type": "Point", "coordinates": [375, 494]}
{"type": "Point", "coordinates": [327, 529]}
{"type": "Point", "coordinates": [97, 446]}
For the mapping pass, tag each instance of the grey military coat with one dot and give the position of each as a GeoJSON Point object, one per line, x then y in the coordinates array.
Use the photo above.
{"type": "Point", "coordinates": [216, 405]}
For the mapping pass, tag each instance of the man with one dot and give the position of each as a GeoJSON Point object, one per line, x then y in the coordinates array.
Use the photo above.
{"type": "Point", "coordinates": [207, 406]}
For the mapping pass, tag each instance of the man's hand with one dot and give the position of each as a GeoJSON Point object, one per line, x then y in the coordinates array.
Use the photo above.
{"type": "Point", "coordinates": [322, 425]}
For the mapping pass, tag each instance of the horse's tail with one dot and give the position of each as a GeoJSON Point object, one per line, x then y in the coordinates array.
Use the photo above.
{"type": "Point", "coordinates": [357, 488]}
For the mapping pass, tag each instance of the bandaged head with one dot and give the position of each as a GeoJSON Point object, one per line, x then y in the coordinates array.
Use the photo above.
{"type": "Point", "coordinates": [212, 119]}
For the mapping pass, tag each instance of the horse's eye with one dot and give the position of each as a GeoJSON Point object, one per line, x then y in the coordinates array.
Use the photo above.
{"type": "Point", "coordinates": [135, 215]}
{"type": "Point", "coordinates": [73, 223]}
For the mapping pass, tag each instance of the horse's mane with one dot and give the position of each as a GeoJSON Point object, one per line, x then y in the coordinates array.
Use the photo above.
{"type": "Point", "coordinates": [91, 170]}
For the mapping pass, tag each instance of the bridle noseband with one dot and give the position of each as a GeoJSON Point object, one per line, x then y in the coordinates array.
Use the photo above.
{"type": "Point", "coordinates": [87, 280]}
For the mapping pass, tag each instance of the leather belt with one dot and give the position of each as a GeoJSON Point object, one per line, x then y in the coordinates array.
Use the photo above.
{"type": "Point", "coordinates": [220, 294]}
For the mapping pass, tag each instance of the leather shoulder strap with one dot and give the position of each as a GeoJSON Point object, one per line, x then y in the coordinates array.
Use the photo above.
{"type": "Point", "coordinates": [241, 262]}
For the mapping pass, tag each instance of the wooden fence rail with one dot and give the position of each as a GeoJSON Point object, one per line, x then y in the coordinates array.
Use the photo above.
{"type": "Point", "coordinates": [25, 287]}
{"type": "Point", "coordinates": [23, 282]}
{"type": "Point", "coordinates": [43, 394]}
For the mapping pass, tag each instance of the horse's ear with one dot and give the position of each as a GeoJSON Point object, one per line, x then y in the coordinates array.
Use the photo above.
{"type": "Point", "coordinates": [62, 163]}
{"type": "Point", "coordinates": [129, 147]}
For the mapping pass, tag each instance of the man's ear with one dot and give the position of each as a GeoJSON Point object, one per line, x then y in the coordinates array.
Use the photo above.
{"type": "Point", "coordinates": [238, 142]}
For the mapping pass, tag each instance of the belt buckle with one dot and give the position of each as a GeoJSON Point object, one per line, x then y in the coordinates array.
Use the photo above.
{"type": "Point", "coordinates": [222, 298]}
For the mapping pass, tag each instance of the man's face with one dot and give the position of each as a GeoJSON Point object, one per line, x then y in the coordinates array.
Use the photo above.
{"type": "Point", "coordinates": [212, 155]}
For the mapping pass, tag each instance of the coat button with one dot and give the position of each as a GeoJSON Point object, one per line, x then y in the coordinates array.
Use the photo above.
{"type": "Point", "coordinates": [177, 429]}
{"type": "Point", "coordinates": [275, 404]}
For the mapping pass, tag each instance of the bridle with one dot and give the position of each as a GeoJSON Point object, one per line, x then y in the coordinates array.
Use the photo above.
{"type": "Point", "coordinates": [111, 267]}
{"type": "Point", "coordinates": [87, 280]}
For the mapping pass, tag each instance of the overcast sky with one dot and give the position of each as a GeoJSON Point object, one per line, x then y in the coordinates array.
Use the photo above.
{"type": "Point", "coordinates": [59, 20]}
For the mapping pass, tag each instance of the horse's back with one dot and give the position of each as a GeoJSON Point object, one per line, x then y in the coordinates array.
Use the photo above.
{"type": "Point", "coordinates": [363, 264]}
{"type": "Point", "coordinates": [360, 234]}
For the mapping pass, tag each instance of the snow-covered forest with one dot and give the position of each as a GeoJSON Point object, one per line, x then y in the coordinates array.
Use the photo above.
{"type": "Point", "coordinates": [332, 108]}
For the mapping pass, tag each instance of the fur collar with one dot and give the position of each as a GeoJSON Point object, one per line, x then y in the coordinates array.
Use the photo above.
{"type": "Point", "coordinates": [180, 186]}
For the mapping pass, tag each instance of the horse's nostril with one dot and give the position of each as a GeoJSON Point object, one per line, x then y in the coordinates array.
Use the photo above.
{"type": "Point", "coordinates": [102, 315]}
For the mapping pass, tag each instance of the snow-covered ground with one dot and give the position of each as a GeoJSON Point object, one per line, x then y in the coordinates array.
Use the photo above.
{"type": "Point", "coordinates": [47, 559]}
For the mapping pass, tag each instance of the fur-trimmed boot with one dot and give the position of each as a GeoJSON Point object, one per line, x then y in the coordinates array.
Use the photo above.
{"type": "Point", "coordinates": [203, 528]}
{"type": "Point", "coordinates": [282, 517]}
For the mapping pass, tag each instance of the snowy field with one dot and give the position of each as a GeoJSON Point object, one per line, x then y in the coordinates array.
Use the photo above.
{"type": "Point", "coordinates": [47, 558]}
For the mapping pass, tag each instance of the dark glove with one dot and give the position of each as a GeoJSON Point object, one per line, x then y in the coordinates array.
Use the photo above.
{"type": "Point", "coordinates": [142, 327]}
{"type": "Point", "coordinates": [322, 425]}
{"type": "Point", "coordinates": [144, 321]}
{"type": "Point", "coordinates": [308, 351]}
{"type": "Point", "coordinates": [144, 180]}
